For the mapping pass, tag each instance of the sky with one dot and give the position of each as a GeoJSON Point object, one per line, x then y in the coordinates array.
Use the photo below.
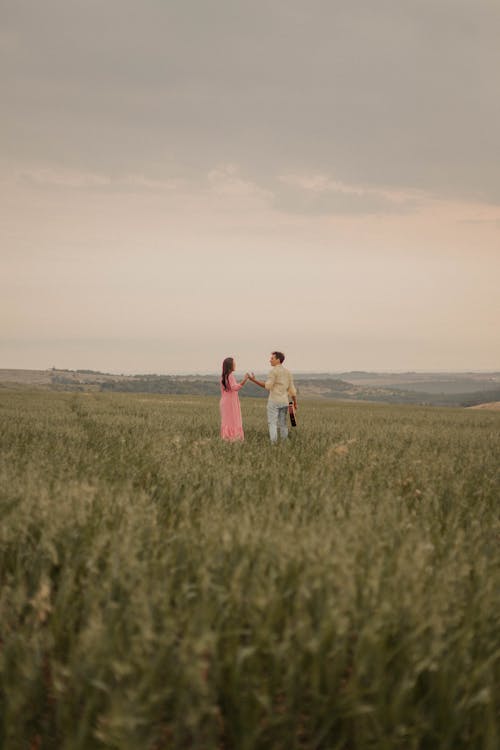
{"type": "Point", "coordinates": [182, 181]}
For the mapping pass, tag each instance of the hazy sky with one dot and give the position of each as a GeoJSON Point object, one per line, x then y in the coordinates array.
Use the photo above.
{"type": "Point", "coordinates": [183, 181]}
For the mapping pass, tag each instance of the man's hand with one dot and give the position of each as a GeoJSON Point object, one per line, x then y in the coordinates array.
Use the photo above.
{"type": "Point", "coordinates": [254, 380]}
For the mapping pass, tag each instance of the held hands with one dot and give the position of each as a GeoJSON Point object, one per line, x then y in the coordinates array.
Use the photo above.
{"type": "Point", "coordinates": [251, 376]}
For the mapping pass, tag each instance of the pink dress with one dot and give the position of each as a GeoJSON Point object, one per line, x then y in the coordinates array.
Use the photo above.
{"type": "Point", "coordinates": [231, 426]}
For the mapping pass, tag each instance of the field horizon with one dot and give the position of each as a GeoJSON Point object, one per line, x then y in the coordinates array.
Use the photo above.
{"type": "Point", "coordinates": [439, 388]}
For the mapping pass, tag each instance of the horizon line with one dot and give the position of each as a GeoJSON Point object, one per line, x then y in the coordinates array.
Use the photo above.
{"type": "Point", "coordinates": [205, 373]}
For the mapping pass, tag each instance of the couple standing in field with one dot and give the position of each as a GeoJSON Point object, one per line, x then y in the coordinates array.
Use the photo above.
{"type": "Point", "coordinates": [281, 389]}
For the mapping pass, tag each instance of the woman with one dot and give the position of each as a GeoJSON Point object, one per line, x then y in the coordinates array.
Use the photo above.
{"type": "Point", "coordinates": [231, 426]}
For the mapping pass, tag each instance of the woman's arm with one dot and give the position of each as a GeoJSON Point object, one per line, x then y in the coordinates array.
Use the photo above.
{"type": "Point", "coordinates": [233, 383]}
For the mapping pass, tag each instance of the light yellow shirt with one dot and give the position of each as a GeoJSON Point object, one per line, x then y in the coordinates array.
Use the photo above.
{"type": "Point", "coordinates": [280, 385]}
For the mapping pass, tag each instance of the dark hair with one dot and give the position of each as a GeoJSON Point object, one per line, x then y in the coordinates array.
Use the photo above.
{"type": "Point", "coordinates": [279, 355]}
{"type": "Point", "coordinates": [227, 368]}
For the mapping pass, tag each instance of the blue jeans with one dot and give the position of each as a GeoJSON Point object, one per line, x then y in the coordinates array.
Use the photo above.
{"type": "Point", "coordinates": [276, 417]}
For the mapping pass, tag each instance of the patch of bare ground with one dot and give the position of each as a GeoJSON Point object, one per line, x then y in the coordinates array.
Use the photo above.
{"type": "Point", "coordinates": [493, 405]}
{"type": "Point", "coordinates": [27, 377]}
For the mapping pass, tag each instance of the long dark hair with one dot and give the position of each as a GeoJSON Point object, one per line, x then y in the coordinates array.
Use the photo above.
{"type": "Point", "coordinates": [227, 368]}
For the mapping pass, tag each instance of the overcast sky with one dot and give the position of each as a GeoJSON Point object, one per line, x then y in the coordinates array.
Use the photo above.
{"type": "Point", "coordinates": [183, 181]}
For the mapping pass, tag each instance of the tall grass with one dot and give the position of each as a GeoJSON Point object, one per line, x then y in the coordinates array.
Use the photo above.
{"type": "Point", "coordinates": [161, 589]}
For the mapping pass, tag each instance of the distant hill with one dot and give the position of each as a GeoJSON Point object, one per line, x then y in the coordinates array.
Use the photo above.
{"type": "Point", "coordinates": [25, 377]}
{"type": "Point", "coordinates": [491, 405]}
{"type": "Point", "coordinates": [441, 389]}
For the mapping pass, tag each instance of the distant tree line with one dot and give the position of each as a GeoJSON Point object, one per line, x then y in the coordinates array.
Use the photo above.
{"type": "Point", "coordinates": [172, 385]}
{"type": "Point", "coordinates": [163, 385]}
{"type": "Point", "coordinates": [314, 387]}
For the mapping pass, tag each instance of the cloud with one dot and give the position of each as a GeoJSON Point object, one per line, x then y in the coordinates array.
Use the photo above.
{"type": "Point", "coordinates": [63, 179]}
{"type": "Point", "coordinates": [225, 181]}
{"type": "Point", "coordinates": [319, 194]}
{"type": "Point", "coordinates": [291, 193]}
{"type": "Point", "coordinates": [71, 179]}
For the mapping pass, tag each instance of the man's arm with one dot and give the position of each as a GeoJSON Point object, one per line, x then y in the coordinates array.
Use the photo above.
{"type": "Point", "coordinates": [292, 392]}
{"type": "Point", "coordinates": [268, 384]}
{"type": "Point", "coordinates": [251, 376]}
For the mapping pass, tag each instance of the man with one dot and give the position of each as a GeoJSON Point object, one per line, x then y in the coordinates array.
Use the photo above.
{"type": "Point", "coordinates": [281, 389]}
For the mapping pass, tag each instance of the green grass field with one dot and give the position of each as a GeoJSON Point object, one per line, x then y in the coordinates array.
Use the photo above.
{"type": "Point", "coordinates": [161, 589]}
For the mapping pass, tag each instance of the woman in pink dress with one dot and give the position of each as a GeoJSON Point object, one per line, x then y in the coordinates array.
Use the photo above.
{"type": "Point", "coordinates": [231, 426]}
